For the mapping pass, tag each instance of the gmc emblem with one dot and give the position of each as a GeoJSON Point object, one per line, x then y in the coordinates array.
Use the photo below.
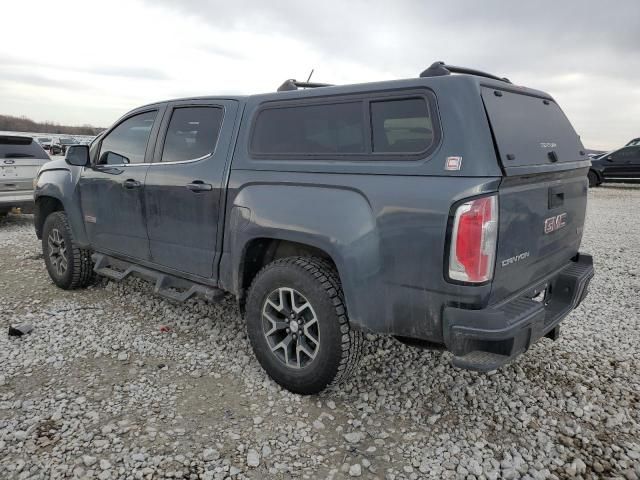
{"type": "Point", "coordinates": [552, 224]}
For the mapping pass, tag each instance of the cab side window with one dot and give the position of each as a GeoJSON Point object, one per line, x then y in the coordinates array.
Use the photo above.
{"type": "Point", "coordinates": [192, 133]}
{"type": "Point", "coordinates": [127, 142]}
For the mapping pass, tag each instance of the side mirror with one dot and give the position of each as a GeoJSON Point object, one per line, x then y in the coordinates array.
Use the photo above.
{"type": "Point", "coordinates": [78, 155]}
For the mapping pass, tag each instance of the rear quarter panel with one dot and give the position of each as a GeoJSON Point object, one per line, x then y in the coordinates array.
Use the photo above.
{"type": "Point", "coordinates": [383, 222]}
{"type": "Point", "coordinates": [386, 235]}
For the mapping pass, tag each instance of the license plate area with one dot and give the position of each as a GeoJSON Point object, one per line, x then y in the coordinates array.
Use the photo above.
{"type": "Point", "coordinates": [541, 293]}
{"type": "Point", "coordinates": [8, 171]}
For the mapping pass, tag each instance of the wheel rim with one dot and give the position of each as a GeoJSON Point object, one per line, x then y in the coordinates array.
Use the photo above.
{"type": "Point", "coordinates": [57, 251]}
{"type": "Point", "coordinates": [290, 326]}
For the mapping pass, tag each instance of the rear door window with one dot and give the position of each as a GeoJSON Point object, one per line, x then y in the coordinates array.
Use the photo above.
{"type": "Point", "coordinates": [127, 143]}
{"type": "Point", "coordinates": [192, 133]}
{"type": "Point", "coordinates": [401, 126]}
{"type": "Point", "coordinates": [336, 128]}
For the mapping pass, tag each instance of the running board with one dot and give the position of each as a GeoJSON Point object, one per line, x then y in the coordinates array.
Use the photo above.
{"type": "Point", "coordinates": [167, 286]}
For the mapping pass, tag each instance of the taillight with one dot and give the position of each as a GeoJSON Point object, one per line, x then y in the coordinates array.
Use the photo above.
{"type": "Point", "coordinates": [473, 240]}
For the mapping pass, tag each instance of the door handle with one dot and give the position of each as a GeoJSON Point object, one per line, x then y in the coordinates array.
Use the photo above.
{"type": "Point", "coordinates": [199, 186]}
{"type": "Point", "coordinates": [131, 183]}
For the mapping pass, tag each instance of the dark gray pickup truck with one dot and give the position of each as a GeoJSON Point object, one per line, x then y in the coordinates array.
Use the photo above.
{"type": "Point", "coordinates": [446, 210]}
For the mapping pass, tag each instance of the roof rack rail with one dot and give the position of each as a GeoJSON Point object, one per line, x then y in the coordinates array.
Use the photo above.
{"type": "Point", "coordinates": [438, 69]}
{"type": "Point", "coordinates": [292, 84]}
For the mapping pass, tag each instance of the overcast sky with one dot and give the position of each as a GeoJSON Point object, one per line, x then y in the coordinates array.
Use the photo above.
{"type": "Point", "coordinates": [79, 62]}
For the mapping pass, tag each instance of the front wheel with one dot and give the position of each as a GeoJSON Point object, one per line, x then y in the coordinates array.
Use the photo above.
{"type": "Point", "coordinates": [593, 179]}
{"type": "Point", "coordinates": [69, 266]}
{"type": "Point", "coordinates": [298, 326]}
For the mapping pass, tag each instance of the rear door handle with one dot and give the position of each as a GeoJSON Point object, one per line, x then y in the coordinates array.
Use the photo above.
{"type": "Point", "coordinates": [131, 183]}
{"type": "Point", "coordinates": [199, 186]}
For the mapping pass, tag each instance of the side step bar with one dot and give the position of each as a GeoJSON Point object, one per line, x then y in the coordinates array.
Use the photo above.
{"type": "Point", "coordinates": [167, 286]}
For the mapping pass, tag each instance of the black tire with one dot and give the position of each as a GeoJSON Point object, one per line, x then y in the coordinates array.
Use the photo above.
{"type": "Point", "coordinates": [339, 348]}
{"type": "Point", "coordinates": [593, 179]}
{"type": "Point", "coordinates": [57, 243]}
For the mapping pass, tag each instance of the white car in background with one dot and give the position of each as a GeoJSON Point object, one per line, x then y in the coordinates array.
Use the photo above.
{"type": "Point", "coordinates": [20, 159]}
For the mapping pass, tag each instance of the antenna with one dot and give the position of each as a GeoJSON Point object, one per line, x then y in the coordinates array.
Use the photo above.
{"type": "Point", "coordinates": [310, 75]}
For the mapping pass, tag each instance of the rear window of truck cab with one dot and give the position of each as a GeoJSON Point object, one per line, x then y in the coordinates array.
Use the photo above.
{"type": "Point", "coordinates": [377, 126]}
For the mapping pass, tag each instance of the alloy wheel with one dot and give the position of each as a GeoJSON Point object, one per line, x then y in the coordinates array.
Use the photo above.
{"type": "Point", "coordinates": [57, 251]}
{"type": "Point", "coordinates": [290, 326]}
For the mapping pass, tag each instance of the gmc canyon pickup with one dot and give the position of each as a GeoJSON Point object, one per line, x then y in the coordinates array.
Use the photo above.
{"type": "Point", "coordinates": [446, 210]}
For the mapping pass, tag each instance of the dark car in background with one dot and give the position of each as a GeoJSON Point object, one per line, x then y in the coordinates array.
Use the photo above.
{"type": "Point", "coordinates": [44, 142]}
{"type": "Point", "coordinates": [20, 159]}
{"type": "Point", "coordinates": [50, 144]}
{"type": "Point", "coordinates": [619, 165]}
{"type": "Point", "coordinates": [66, 142]}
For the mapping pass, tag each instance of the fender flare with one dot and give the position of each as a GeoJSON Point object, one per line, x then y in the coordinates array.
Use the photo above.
{"type": "Point", "coordinates": [337, 221]}
{"type": "Point", "coordinates": [60, 183]}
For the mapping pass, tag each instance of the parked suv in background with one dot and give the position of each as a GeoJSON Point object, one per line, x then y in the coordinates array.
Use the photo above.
{"type": "Point", "coordinates": [619, 165]}
{"type": "Point", "coordinates": [20, 159]}
{"type": "Point", "coordinates": [445, 210]}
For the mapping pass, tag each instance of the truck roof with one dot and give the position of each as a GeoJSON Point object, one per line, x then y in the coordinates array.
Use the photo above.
{"type": "Point", "coordinates": [437, 74]}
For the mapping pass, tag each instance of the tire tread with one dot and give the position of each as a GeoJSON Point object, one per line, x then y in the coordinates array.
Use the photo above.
{"type": "Point", "coordinates": [327, 277]}
{"type": "Point", "coordinates": [82, 274]}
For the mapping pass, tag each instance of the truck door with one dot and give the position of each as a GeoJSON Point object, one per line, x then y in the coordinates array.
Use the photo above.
{"type": "Point", "coordinates": [112, 189]}
{"type": "Point", "coordinates": [184, 185]}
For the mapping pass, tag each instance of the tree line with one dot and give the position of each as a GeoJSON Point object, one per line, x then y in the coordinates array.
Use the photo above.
{"type": "Point", "coordinates": [24, 124]}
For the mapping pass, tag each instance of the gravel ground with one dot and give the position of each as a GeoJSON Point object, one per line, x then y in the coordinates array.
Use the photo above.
{"type": "Point", "coordinates": [99, 389]}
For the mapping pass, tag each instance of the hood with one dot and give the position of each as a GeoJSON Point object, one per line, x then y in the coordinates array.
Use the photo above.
{"type": "Point", "coordinates": [57, 164]}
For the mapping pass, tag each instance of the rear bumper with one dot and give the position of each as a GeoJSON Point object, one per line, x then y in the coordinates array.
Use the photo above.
{"type": "Point", "coordinates": [486, 339]}
{"type": "Point", "coordinates": [16, 198]}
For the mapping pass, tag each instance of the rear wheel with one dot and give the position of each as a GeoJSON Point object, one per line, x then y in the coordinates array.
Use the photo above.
{"type": "Point", "coordinates": [69, 266]}
{"type": "Point", "coordinates": [298, 326]}
{"type": "Point", "coordinates": [593, 179]}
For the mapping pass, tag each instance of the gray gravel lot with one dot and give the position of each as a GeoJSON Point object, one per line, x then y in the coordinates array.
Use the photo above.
{"type": "Point", "coordinates": [97, 390]}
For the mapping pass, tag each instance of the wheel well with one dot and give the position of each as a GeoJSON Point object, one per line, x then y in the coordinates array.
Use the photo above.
{"type": "Point", "coordinates": [262, 251]}
{"type": "Point", "coordinates": [45, 206]}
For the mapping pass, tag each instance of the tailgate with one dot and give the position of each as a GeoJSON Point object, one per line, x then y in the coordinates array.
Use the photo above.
{"type": "Point", "coordinates": [543, 195]}
{"type": "Point", "coordinates": [540, 228]}
{"type": "Point", "coordinates": [531, 132]}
